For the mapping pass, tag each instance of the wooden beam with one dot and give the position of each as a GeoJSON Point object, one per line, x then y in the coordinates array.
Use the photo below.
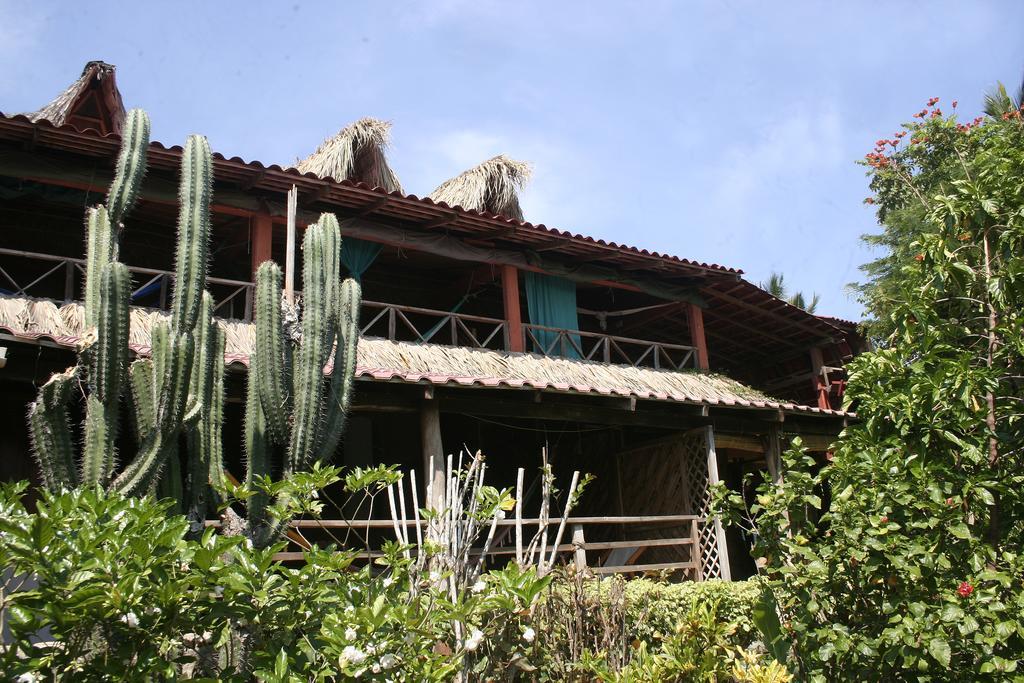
{"type": "Point", "coordinates": [773, 313]}
{"type": "Point", "coordinates": [261, 240]}
{"type": "Point", "coordinates": [513, 314]}
{"type": "Point", "coordinates": [723, 548]}
{"type": "Point", "coordinates": [695, 320]}
{"type": "Point", "coordinates": [433, 455]}
{"type": "Point", "coordinates": [818, 381]}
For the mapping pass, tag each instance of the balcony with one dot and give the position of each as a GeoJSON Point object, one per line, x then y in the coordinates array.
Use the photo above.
{"type": "Point", "coordinates": [31, 274]}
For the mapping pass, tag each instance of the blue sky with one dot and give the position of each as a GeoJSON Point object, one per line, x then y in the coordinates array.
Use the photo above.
{"type": "Point", "coordinates": [720, 131]}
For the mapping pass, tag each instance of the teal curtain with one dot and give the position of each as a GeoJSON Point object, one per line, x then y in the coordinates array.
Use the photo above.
{"type": "Point", "coordinates": [551, 302]}
{"type": "Point", "coordinates": [358, 255]}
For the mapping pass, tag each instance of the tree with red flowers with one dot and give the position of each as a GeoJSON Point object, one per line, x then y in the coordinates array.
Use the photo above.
{"type": "Point", "coordinates": [913, 570]}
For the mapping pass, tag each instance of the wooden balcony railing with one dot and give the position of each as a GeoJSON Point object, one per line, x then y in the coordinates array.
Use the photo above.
{"type": "Point", "coordinates": [678, 543]}
{"type": "Point", "coordinates": [606, 348]}
{"type": "Point", "coordinates": [60, 278]}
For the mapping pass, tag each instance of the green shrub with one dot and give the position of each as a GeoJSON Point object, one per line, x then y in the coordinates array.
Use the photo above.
{"type": "Point", "coordinates": [122, 591]}
{"type": "Point", "coordinates": [655, 607]}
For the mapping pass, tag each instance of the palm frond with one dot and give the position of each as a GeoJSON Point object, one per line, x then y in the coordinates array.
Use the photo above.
{"type": "Point", "coordinates": [356, 153]}
{"type": "Point", "coordinates": [775, 285]}
{"type": "Point", "coordinates": [998, 101]}
{"type": "Point", "coordinates": [492, 186]}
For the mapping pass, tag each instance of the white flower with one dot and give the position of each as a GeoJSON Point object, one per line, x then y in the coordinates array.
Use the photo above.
{"type": "Point", "coordinates": [435, 577]}
{"type": "Point", "coordinates": [479, 587]}
{"type": "Point", "coordinates": [130, 619]}
{"type": "Point", "coordinates": [314, 494]}
{"type": "Point", "coordinates": [375, 668]}
{"type": "Point", "coordinates": [388, 582]}
{"type": "Point", "coordinates": [28, 677]}
{"type": "Point", "coordinates": [349, 609]}
{"type": "Point", "coordinates": [529, 634]}
{"type": "Point", "coordinates": [371, 649]}
{"type": "Point", "coordinates": [218, 591]}
{"type": "Point", "coordinates": [352, 655]}
{"type": "Point", "coordinates": [350, 633]}
{"type": "Point", "coordinates": [389, 661]}
{"type": "Point", "coordinates": [501, 514]}
{"type": "Point", "coordinates": [473, 642]}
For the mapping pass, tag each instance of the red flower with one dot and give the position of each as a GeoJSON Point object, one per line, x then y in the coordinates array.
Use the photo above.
{"type": "Point", "coordinates": [949, 501]}
{"type": "Point", "coordinates": [884, 520]}
{"type": "Point", "coordinates": [933, 101]}
{"type": "Point", "coordinates": [919, 257]}
{"type": "Point", "coordinates": [954, 104]}
{"type": "Point", "coordinates": [965, 589]}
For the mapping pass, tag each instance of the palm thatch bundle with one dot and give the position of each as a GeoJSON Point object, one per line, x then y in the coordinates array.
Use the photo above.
{"type": "Point", "coordinates": [97, 79]}
{"type": "Point", "coordinates": [492, 187]}
{"type": "Point", "coordinates": [386, 360]}
{"type": "Point", "coordinates": [356, 153]}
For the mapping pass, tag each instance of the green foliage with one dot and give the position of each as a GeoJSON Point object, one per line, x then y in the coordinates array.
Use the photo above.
{"type": "Point", "coordinates": [776, 286]}
{"type": "Point", "coordinates": [129, 593]}
{"type": "Point", "coordinates": [654, 607]}
{"type": "Point", "coordinates": [913, 571]}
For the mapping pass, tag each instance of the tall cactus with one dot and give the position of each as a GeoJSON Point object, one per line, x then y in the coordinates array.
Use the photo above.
{"type": "Point", "coordinates": [291, 406]}
{"type": "Point", "coordinates": [159, 386]}
{"type": "Point", "coordinates": [294, 415]}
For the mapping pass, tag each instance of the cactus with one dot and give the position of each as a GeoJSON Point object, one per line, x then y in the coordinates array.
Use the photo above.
{"type": "Point", "coordinates": [294, 415]}
{"type": "Point", "coordinates": [50, 433]}
{"type": "Point", "coordinates": [159, 386]}
{"type": "Point", "coordinates": [131, 166]}
{"type": "Point", "coordinates": [307, 422]}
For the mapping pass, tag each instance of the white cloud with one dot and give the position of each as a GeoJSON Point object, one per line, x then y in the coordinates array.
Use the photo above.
{"type": "Point", "coordinates": [796, 147]}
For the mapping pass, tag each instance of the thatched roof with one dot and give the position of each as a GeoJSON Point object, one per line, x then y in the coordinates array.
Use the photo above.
{"type": "Point", "coordinates": [356, 153]}
{"type": "Point", "coordinates": [492, 187]}
{"type": "Point", "coordinates": [93, 101]}
{"type": "Point", "coordinates": [384, 360]}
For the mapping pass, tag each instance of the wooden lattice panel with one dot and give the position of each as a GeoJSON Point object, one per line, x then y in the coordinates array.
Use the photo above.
{"type": "Point", "coordinates": [672, 477]}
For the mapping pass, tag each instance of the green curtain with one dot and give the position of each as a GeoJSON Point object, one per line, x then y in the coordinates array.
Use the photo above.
{"type": "Point", "coordinates": [358, 255]}
{"type": "Point", "coordinates": [551, 302]}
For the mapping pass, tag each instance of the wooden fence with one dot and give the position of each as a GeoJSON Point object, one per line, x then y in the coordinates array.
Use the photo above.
{"type": "Point", "coordinates": [596, 557]}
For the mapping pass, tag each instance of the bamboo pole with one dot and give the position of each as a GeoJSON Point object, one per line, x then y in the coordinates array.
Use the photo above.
{"type": "Point", "coordinates": [565, 514]}
{"type": "Point", "coordinates": [289, 254]}
{"type": "Point", "coordinates": [519, 517]}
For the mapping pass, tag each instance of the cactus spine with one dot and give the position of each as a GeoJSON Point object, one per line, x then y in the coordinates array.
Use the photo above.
{"type": "Point", "coordinates": [292, 411]}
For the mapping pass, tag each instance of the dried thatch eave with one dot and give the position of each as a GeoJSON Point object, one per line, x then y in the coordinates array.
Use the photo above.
{"type": "Point", "coordinates": [491, 187]}
{"type": "Point", "coordinates": [93, 101]}
{"type": "Point", "coordinates": [356, 153]}
{"type": "Point", "coordinates": [389, 361]}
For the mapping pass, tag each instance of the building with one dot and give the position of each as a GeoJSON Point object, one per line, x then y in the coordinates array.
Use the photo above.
{"type": "Point", "coordinates": [656, 373]}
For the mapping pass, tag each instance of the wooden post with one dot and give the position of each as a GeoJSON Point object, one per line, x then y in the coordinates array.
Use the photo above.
{"type": "Point", "coordinates": [695, 321]}
{"type": "Point", "coordinates": [773, 453]}
{"type": "Point", "coordinates": [581, 554]}
{"type": "Point", "coordinates": [698, 570]}
{"type": "Point", "coordinates": [433, 454]}
{"type": "Point", "coordinates": [820, 389]}
{"type": "Point", "coordinates": [723, 549]}
{"type": "Point", "coordinates": [513, 316]}
{"type": "Point", "coordinates": [289, 248]}
{"type": "Point", "coordinates": [262, 240]}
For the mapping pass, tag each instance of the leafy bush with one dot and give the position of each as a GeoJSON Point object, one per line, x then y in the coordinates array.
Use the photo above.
{"type": "Point", "coordinates": [122, 590]}
{"type": "Point", "coordinates": [655, 607]}
{"type": "Point", "coordinates": [914, 570]}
